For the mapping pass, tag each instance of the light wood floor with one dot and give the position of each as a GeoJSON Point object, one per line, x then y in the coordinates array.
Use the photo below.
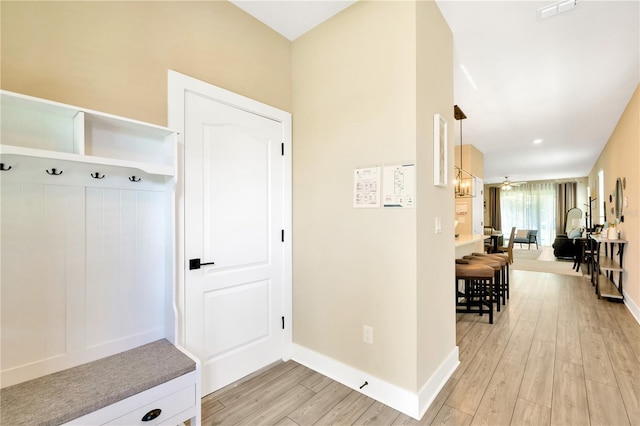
{"type": "Point", "coordinates": [556, 355]}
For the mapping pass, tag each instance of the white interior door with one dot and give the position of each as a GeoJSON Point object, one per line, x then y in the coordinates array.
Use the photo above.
{"type": "Point", "coordinates": [233, 220]}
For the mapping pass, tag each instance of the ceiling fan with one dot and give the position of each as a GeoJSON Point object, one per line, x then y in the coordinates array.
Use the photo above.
{"type": "Point", "coordinates": [507, 185]}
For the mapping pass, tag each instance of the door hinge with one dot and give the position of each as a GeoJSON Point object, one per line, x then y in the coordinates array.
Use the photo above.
{"type": "Point", "coordinates": [282, 147]}
{"type": "Point", "coordinates": [282, 235]}
{"type": "Point", "coordinates": [283, 323]}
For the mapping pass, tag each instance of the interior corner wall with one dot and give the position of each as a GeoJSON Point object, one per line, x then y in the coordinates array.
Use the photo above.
{"type": "Point", "coordinates": [354, 105]}
{"type": "Point", "coordinates": [436, 251]}
{"type": "Point", "coordinates": [619, 159]}
{"type": "Point", "coordinates": [114, 56]}
{"type": "Point", "coordinates": [472, 162]}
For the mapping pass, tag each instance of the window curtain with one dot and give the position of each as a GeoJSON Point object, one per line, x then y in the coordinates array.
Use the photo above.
{"type": "Point", "coordinates": [531, 206]}
{"type": "Point", "coordinates": [566, 198]}
{"type": "Point", "coordinates": [495, 220]}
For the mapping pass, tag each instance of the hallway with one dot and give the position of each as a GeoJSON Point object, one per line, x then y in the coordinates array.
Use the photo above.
{"type": "Point", "coordinates": [556, 355]}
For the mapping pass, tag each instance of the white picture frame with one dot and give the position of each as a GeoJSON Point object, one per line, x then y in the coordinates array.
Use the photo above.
{"type": "Point", "coordinates": [366, 187]}
{"type": "Point", "coordinates": [439, 150]}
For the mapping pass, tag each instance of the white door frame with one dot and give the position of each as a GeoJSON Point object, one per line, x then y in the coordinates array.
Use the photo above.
{"type": "Point", "coordinates": [178, 84]}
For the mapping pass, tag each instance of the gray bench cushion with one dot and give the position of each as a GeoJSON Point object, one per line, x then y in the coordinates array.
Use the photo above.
{"type": "Point", "coordinates": [63, 396]}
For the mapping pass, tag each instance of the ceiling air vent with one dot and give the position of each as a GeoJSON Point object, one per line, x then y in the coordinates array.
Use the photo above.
{"type": "Point", "coordinates": [556, 8]}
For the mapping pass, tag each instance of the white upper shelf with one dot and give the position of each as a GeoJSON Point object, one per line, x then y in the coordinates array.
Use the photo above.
{"type": "Point", "coordinates": [33, 127]}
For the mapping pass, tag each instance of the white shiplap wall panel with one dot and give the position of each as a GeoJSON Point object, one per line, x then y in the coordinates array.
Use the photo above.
{"type": "Point", "coordinates": [129, 294]}
{"type": "Point", "coordinates": [83, 274]}
{"type": "Point", "coordinates": [152, 246]}
{"type": "Point", "coordinates": [75, 269]}
{"type": "Point", "coordinates": [54, 254]}
{"type": "Point", "coordinates": [11, 262]}
{"type": "Point", "coordinates": [30, 269]}
{"type": "Point", "coordinates": [125, 264]}
{"type": "Point", "coordinates": [101, 308]}
{"type": "Point", "coordinates": [36, 219]}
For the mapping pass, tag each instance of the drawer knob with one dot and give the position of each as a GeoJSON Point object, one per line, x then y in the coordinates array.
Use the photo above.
{"type": "Point", "coordinates": [151, 415]}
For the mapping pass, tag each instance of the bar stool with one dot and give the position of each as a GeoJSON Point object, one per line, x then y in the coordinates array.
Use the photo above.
{"type": "Point", "coordinates": [501, 273]}
{"type": "Point", "coordinates": [497, 268]}
{"type": "Point", "coordinates": [478, 286]}
{"type": "Point", "coordinates": [504, 260]}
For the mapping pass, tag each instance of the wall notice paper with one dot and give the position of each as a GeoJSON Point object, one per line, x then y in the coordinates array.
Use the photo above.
{"type": "Point", "coordinates": [461, 208]}
{"type": "Point", "coordinates": [366, 187]}
{"type": "Point", "coordinates": [399, 186]}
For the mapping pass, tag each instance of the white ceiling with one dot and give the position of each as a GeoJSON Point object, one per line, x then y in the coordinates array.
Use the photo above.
{"type": "Point", "coordinates": [565, 79]}
{"type": "Point", "coordinates": [292, 18]}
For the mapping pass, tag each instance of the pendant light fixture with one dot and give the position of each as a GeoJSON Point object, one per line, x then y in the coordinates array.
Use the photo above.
{"type": "Point", "coordinates": [465, 182]}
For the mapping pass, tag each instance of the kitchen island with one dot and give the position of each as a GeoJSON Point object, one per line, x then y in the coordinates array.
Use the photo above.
{"type": "Point", "coordinates": [467, 244]}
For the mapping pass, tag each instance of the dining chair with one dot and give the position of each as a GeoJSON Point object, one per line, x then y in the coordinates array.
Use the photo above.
{"type": "Point", "coordinates": [509, 247]}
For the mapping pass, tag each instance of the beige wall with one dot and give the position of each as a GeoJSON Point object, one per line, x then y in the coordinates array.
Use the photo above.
{"type": "Point", "coordinates": [114, 56]}
{"type": "Point", "coordinates": [359, 101]}
{"type": "Point", "coordinates": [435, 306]}
{"type": "Point", "coordinates": [620, 159]}
{"type": "Point", "coordinates": [472, 162]}
{"type": "Point", "coordinates": [472, 158]}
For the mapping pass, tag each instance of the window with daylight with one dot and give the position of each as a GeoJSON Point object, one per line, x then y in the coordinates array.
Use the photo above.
{"type": "Point", "coordinates": [531, 206]}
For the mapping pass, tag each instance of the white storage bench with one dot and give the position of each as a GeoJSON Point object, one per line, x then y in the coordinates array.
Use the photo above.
{"type": "Point", "coordinates": [157, 381]}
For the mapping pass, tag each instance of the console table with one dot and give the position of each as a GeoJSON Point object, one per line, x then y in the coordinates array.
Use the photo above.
{"type": "Point", "coordinates": [608, 264]}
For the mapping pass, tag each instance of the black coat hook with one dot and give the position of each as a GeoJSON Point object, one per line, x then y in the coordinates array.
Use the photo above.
{"type": "Point", "coordinates": [53, 172]}
{"type": "Point", "coordinates": [2, 168]}
{"type": "Point", "coordinates": [96, 175]}
{"type": "Point", "coordinates": [134, 179]}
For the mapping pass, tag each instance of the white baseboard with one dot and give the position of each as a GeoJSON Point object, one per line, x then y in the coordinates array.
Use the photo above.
{"type": "Point", "coordinates": [437, 381]}
{"type": "Point", "coordinates": [633, 308]}
{"type": "Point", "coordinates": [409, 403]}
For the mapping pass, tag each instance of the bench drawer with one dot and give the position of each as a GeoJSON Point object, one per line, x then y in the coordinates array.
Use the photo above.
{"type": "Point", "coordinates": [169, 406]}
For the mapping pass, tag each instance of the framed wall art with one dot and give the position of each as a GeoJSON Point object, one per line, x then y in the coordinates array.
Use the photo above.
{"type": "Point", "coordinates": [439, 150]}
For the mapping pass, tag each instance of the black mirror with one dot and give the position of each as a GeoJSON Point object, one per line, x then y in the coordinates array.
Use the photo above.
{"type": "Point", "coordinates": [619, 197]}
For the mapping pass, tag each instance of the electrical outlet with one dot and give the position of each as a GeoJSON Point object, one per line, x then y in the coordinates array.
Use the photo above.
{"type": "Point", "coordinates": [367, 334]}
